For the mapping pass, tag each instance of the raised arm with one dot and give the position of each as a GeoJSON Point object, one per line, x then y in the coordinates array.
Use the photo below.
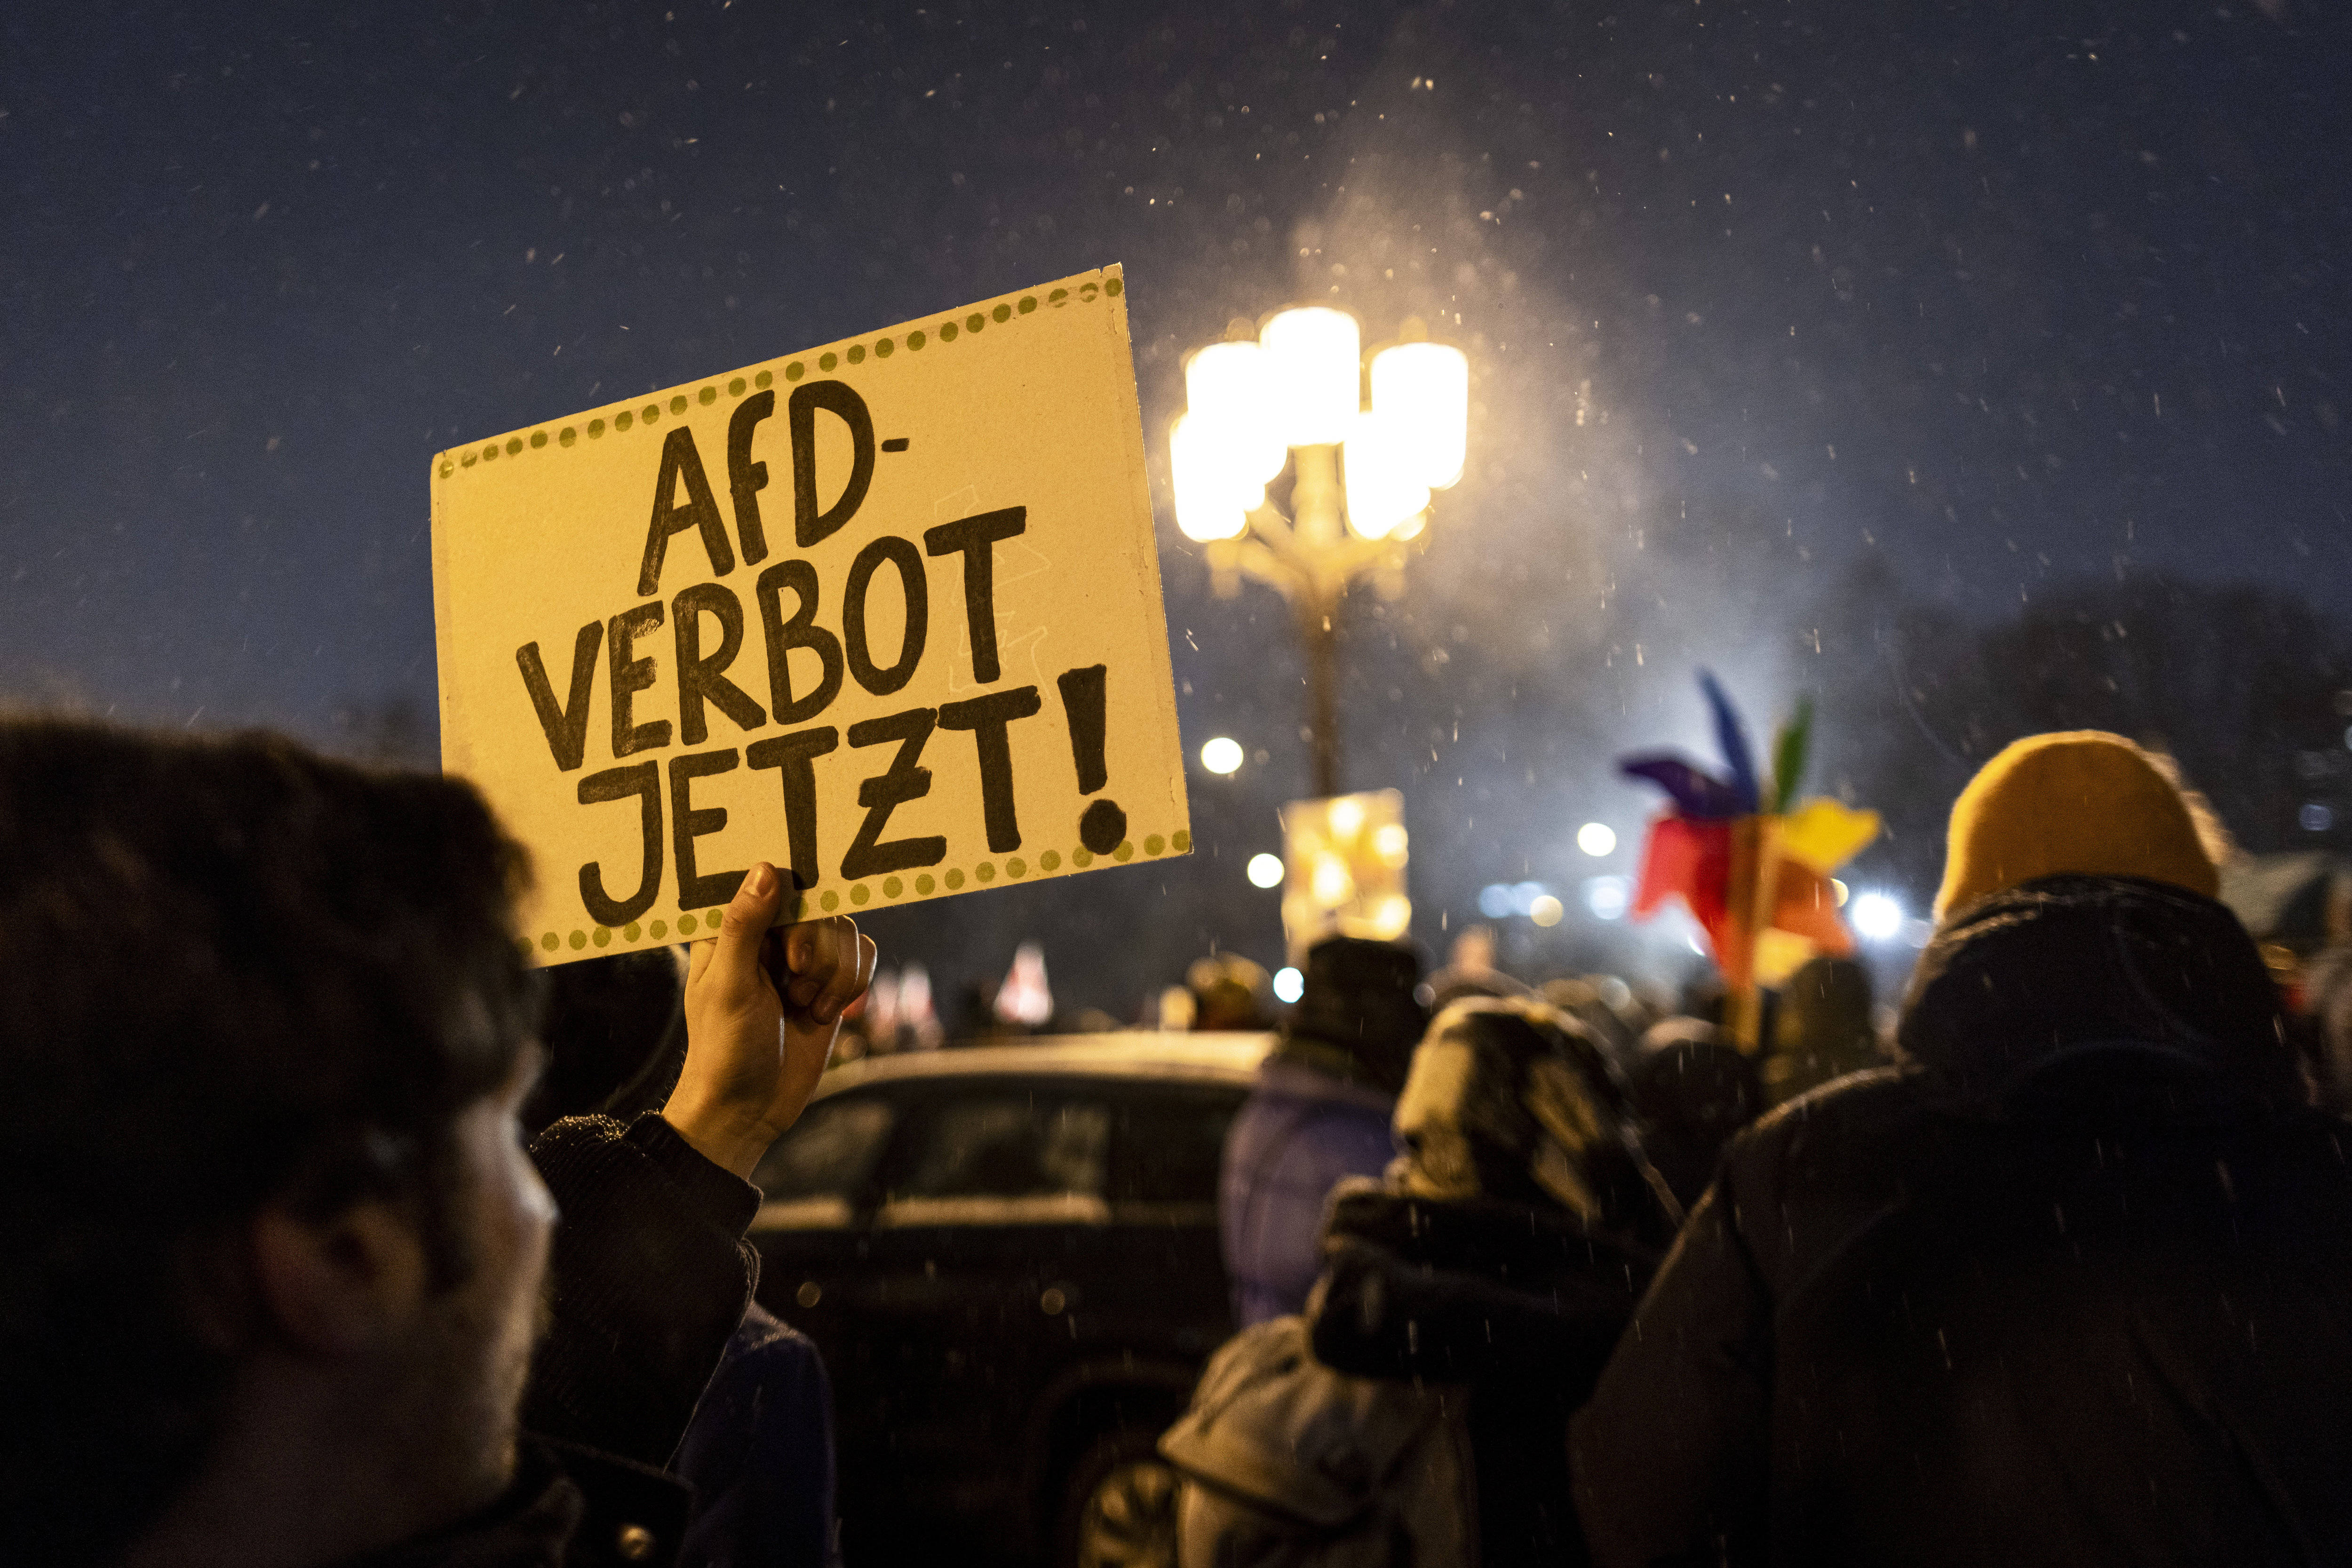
{"type": "Point", "coordinates": [650, 1271]}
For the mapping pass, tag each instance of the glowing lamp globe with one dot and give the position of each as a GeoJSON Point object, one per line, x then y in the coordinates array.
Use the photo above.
{"type": "Point", "coordinates": [1314, 353]}
{"type": "Point", "coordinates": [1423, 391]}
{"type": "Point", "coordinates": [1384, 490]}
{"type": "Point", "coordinates": [1212, 501]}
{"type": "Point", "coordinates": [1228, 389]}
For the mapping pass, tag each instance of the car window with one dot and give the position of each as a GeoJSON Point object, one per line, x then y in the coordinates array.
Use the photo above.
{"type": "Point", "coordinates": [813, 1176]}
{"type": "Point", "coordinates": [1169, 1145]}
{"type": "Point", "coordinates": [1006, 1158]}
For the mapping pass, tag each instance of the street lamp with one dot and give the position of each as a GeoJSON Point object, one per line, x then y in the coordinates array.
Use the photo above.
{"type": "Point", "coordinates": [1361, 477]}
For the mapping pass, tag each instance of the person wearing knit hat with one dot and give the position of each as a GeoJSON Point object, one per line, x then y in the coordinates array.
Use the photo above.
{"type": "Point", "coordinates": [2079, 802]}
{"type": "Point", "coordinates": [2062, 1286]}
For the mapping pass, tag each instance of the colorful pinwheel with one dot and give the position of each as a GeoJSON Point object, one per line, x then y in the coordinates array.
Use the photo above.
{"type": "Point", "coordinates": [1751, 863]}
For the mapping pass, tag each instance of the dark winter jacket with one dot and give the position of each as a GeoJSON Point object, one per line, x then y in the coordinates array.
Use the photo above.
{"type": "Point", "coordinates": [2069, 1287]}
{"type": "Point", "coordinates": [567, 1508]}
{"type": "Point", "coordinates": [1301, 1132]}
{"type": "Point", "coordinates": [650, 1275]}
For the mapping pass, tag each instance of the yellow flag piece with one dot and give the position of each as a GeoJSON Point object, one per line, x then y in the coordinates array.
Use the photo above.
{"type": "Point", "coordinates": [1823, 834]}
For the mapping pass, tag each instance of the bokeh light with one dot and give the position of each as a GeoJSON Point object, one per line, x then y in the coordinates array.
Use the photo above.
{"type": "Point", "coordinates": [1222, 755]}
{"type": "Point", "coordinates": [1877, 917]}
{"type": "Point", "coordinates": [1606, 897]}
{"type": "Point", "coordinates": [1596, 839]}
{"type": "Point", "coordinates": [1266, 871]}
{"type": "Point", "coordinates": [1289, 985]}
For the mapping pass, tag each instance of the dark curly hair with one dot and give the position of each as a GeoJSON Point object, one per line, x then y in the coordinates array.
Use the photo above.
{"type": "Point", "coordinates": [231, 972]}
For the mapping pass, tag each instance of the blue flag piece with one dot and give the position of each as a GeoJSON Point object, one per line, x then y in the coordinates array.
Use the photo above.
{"type": "Point", "coordinates": [1734, 741]}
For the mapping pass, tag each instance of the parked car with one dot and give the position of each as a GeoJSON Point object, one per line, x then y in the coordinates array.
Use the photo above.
{"type": "Point", "coordinates": [1008, 1255]}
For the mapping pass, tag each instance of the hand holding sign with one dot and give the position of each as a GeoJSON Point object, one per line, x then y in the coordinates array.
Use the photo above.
{"type": "Point", "coordinates": [762, 1010]}
{"type": "Point", "coordinates": [655, 680]}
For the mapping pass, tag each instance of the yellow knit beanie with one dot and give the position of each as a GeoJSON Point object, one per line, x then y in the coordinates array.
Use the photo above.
{"type": "Point", "coordinates": [2079, 802]}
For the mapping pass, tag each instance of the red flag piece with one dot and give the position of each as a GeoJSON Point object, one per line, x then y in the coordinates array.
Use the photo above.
{"type": "Point", "coordinates": [1688, 858]}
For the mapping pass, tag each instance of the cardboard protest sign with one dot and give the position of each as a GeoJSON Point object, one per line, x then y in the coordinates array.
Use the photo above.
{"type": "Point", "coordinates": [886, 614]}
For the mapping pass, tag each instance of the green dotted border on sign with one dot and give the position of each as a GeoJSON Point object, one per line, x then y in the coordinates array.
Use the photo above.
{"type": "Point", "coordinates": [946, 331]}
{"type": "Point", "coordinates": [893, 889]}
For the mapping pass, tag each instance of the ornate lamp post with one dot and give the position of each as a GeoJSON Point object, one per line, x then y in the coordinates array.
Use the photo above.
{"type": "Point", "coordinates": [1361, 476]}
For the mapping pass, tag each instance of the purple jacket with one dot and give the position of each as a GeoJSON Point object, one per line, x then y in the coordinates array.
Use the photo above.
{"type": "Point", "coordinates": [1296, 1137]}
{"type": "Point", "coordinates": [760, 1454]}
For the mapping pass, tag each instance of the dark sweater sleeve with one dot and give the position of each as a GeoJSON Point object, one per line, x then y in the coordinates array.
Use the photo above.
{"type": "Point", "coordinates": [1670, 1459]}
{"type": "Point", "coordinates": [650, 1277]}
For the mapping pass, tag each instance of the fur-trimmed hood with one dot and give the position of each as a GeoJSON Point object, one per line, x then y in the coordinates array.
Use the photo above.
{"type": "Point", "coordinates": [1464, 1291]}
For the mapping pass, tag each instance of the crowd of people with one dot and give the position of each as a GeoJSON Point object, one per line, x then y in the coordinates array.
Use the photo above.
{"type": "Point", "coordinates": [334, 1235]}
{"type": "Point", "coordinates": [2055, 1272]}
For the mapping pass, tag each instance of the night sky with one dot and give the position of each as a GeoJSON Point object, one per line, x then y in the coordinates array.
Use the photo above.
{"type": "Point", "coordinates": [1760, 299]}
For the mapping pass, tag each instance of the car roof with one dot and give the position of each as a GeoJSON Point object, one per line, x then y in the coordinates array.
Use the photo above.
{"type": "Point", "coordinates": [1227, 1059]}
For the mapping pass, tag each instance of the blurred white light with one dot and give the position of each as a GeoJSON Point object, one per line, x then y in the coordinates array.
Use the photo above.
{"type": "Point", "coordinates": [1229, 393]}
{"type": "Point", "coordinates": [1842, 890]}
{"type": "Point", "coordinates": [2316, 818]}
{"type": "Point", "coordinates": [1606, 897]}
{"type": "Point", "coordinates": [1347, 817]}
{"type": "Point", "coordinates": [1330, 880]}
{"type": "Point", "coordinates": [1024, 996]}
{"type": "Point", "coordinates": [1266, 871]}
{"type": "Point", "coordinates": [1222, 755]}
{"type": "Point", "coordinates": [1289, 985]}
{"type": "Point", "coordinates": [1494, 900]}
{"type": "Point", "coordinates": [1314, 355]}
{"type": "Point", "coordinates": [1596, 839]}
{"type": "Point", "coordinates": [1388, 842]}
{"type": "Point", "coordinates": [1546, 911]}
{"type": "Point", "coordinates": [1384, 492]}
{"type": "Point", "coordinates": [1424, 389]}
{"type": "Point", "coordinates": [1877, 917]}
{"type": "Point", "coordinates": [1524, 896]}
{"type": "Point", "coordinates": [1211, 502]}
